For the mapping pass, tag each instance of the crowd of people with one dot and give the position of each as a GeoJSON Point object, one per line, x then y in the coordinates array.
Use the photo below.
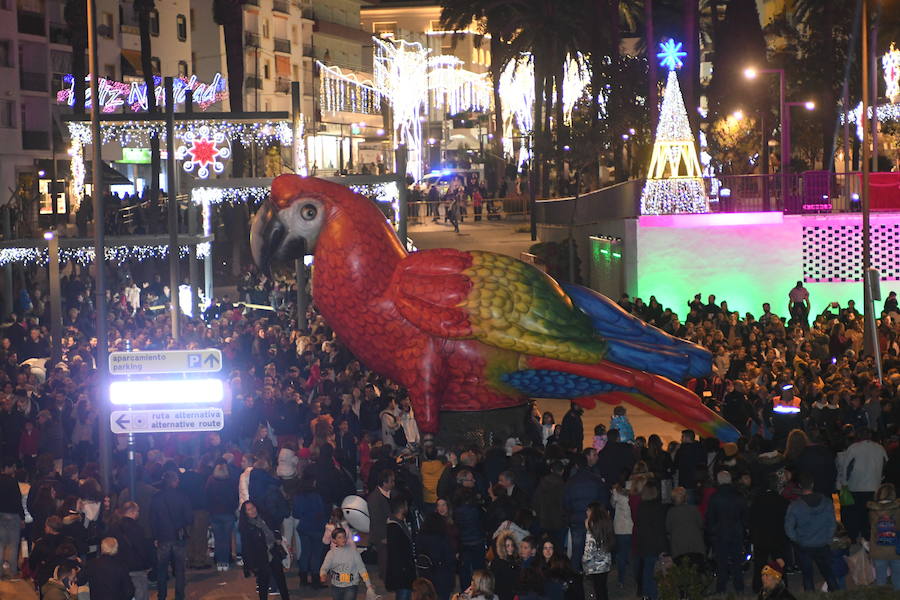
{"type": "Point", "coordinates": [542, 515]}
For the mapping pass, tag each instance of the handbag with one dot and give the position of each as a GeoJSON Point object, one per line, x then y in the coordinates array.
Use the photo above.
{"type": "Point", "coordinates": [861, 569]}
{"type": "Point", "coordinates": [845, 496]}
{"type": "Point", "coordinates": [595, 559]}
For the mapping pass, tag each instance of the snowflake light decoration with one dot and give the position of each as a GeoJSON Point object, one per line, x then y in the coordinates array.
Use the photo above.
{"type": "Point", "coordinates": [671, 54]}
{"type": "Point", "coordinates": [205, 150]}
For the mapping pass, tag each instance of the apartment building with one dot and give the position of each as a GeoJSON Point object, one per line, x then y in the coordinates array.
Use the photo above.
{"type": "Point", "coordinates": [451, 142]}
{"type": "Point", "coordinates": [36, 58]}
{"type": "Point", "coordinates": [277, 46]}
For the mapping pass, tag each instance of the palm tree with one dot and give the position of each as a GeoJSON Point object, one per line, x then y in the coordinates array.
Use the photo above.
{"type": "Point", "coordinates": [144, 9]}
{"type": "Point", "coordinates": [230, 15]}
{"type": "Point", "coordinates": [75, 13]}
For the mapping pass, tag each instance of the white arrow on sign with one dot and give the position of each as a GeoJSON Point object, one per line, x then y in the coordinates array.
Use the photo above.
{"type": "Point", "coordinates": [167, 361]}
{"type": "Point", "coordinates": [167, 421]}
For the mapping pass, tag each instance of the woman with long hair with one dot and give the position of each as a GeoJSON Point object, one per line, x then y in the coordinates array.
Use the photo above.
{"type": "Point", "coordinates": [598, 547]}
{"type": "Point", "coordinates": [444, 509]}
{"type": "Point", "coordinates": [506, 565]}
{"type": "Point", "coordinates": [556, 570]}
{"type": "Point", "coordinates": [262, 552]}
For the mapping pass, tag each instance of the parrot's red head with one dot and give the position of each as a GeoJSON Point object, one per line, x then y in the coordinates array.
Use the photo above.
{"type": "Point", "coordinates": [289, 223]}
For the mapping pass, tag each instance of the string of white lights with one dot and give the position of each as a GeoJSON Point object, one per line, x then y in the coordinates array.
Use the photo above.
{"type": "Point", "coordinates": [401, 74]}
{"type": "Point", "coordinates": [138, 133]}
{"type": "Point", "coordinates": [84, 255]}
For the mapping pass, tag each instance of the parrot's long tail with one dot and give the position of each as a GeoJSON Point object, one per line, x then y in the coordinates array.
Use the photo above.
{"type": "Point", "coordinates": [613, 383]}
{"type": "Point", "coordinates": [636, 344]}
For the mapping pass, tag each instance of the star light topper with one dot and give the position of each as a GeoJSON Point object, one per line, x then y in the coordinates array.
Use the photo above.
{"type": "Point", "coordinates": [671, 54]}
{"type": "Point", "coordinates": [205, 150]}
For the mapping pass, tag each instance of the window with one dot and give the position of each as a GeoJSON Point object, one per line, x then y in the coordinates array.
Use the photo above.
{"type": "Point", "coordinates": [385, 29]}
{"type": "Point", "coordinates": [154, 22]}
{"type": "Point", "coordinates": [267, 70]}
{"type": "Point", "coordinates": [182, 68]}
{"type": "Point", "coordinates": [5, 53]}
{"type": "Point", "coordinates": [265, 29]}
{"type": "Point", "coordinates": [7, 114]}
{"type": "Point", "coordinates": [181, 27]}
{"type": "Point", "coordinates": [106, 25]}
{"type": "Point", "coordinates": [295, 72]}
{"type": "Point", "coordinates": [155, 65]}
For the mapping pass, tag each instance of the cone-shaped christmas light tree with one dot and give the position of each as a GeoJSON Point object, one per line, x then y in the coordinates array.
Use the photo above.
{"type": "Point", "coordinates": [674, 183]}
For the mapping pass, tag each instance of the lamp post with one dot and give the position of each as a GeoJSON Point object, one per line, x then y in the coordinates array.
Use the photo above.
{"type": "Point", "coordinates": [752, 73]}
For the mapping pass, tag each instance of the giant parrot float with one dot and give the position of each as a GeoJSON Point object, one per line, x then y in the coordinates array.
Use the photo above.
{"type": "Point", "coordinates": [472, 331]}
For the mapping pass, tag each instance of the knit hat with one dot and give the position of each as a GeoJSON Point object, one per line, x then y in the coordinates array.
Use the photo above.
{"type": "Point", "coordinates": [774, 569]}
{"type": "Point", "coordinates": [730, 449]}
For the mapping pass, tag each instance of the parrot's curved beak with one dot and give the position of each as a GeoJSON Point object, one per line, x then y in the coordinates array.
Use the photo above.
{"type": "Point", "coordinates": [270, 243]}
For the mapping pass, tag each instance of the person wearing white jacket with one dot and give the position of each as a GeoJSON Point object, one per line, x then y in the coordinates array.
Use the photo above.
{"type": "Point", "coordinates": [623, 527]}
{"type": "Point", "coordinates": [861, 466]}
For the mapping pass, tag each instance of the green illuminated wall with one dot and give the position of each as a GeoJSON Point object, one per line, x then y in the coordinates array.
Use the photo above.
{"type": "Point", "coordinates": [745, 264]}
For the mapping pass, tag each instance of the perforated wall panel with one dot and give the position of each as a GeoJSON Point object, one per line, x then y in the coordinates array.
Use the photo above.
{"type": "Point", "coordinates": [834, 253]}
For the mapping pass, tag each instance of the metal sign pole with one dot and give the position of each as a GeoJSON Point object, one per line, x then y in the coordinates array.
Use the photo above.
{"type": "Point", "coordinates": [99, 250]}
{"type": "Point", "coordinates": [174, 248]}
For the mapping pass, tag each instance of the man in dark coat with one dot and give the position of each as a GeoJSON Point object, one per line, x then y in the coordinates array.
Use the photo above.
{"type": "Point", "coordinates": [726, 518]}
{"type": "Point", "coordinates": [548, 503]}
{"type": "Point", "coordinates": [616, 460]}
{"type": "Point", "coordinates": [136, 551]}
{"type": "Point", "coordinates": [571, 432]}
{"type": "Point", "coordinates": [689, 457]}
{"type": "Point", "coordinates": [468, 513]}
{"type": "Point", "coordinates": [401, 566]}
{"type": "Point", "coordinates": [769, 542]}
{"type": "Point", "coordinates": [170, 517]}
{"type": "Point", "coordinates": [107, 575]}
{"type": "Point", "coordinates": [379, 510]}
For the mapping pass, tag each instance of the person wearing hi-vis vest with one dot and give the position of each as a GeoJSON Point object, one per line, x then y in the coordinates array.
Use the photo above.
{"type": "Point", "coordinates": [344, 567]}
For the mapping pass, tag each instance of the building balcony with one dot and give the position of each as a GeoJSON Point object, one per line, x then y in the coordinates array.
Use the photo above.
{"type": "Point", "coordinates": [253, 83]}
{"type": "Point", "coordinates": [309, 51]}
{"type": "Point", "coordinates": [282, 45]}
{"type": "Point", "coordinates": [251, 40]}
{"type": "Point", "coordinates": [33, 82]}
{"type": "Point", "coordinates": [105, 31]}
{"type": "Point", "coordinates": [283, 85]}
{"type": "Point", "coordinates": [31, 23]}
{"type": "Point", "coordinates": [35, 140]}
{"type": "Point", "coordinates": [281, 6]}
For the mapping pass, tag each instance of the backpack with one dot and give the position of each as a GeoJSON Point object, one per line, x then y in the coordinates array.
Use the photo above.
{"type": "Point", "coordinates": [276, 506]}
{"type": "Point", "coordinates": [885, 530]}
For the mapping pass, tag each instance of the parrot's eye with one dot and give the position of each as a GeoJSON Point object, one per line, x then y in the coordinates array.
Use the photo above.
{"type": "Point", "coordinates": [309, 212]}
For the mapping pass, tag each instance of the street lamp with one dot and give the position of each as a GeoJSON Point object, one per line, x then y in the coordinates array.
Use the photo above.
{"type": "Point", "coordinates": [752, 73]}
{"type": "Point", "coordinates": [786, 123]}
{"type": "Point", "coordinates": [738, 115]}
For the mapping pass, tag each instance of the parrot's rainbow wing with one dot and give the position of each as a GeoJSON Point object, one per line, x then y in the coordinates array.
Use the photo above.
{"type": "Point", "coordinates": [497, 300]}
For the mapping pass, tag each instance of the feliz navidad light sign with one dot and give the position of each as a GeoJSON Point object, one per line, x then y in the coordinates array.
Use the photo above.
{"type": "Point", "coordinates": [133, 96]}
